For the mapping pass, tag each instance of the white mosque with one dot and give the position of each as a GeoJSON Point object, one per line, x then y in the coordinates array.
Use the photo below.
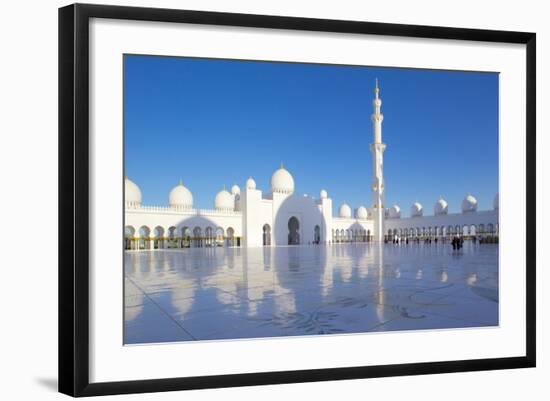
{"type": "Point", "coordinates": [253, 218]}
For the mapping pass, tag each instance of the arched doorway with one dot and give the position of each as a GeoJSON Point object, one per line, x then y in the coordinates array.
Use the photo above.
{"type": "Point", "coordinates": [293, 233]}
{"type": "Point", "coordinates": [129, 233]}
{"type": "Point", "coordinates": [266, 235]}
{"type": "Point", "coordinates": [219, 236]}
{"type": "Point", "coordinates": [209, 236]}
{"type": "Point", "coordinates": [158, 237]}
{"type": "Point", "coordinates": [450, 231]}
{"type": "Point", "coordinates": [230, 236]}
{"type": "Point", "coordinates": [185, 237]}
{"type": "Point", "coordinates": [144, 238]}
{"type": "Point", "coordinates": [317, 234]}
{"type": "Point", "coordinates": [481, 229]}
{"type": "Point", "coordinates": [197, 237]}
{"type": "Point", "coordinates": [172, 242]}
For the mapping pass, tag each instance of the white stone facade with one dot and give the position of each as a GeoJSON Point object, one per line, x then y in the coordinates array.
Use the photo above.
{"type": "Point", "coordinates": [280, 216]}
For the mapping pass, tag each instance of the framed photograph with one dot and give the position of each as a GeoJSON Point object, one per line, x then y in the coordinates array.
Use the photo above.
{"type": "Point", "coordinates": [250, 199]}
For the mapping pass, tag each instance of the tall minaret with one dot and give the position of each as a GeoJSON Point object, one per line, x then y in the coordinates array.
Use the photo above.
{"type": "Point", "coordinates": [377, 148]}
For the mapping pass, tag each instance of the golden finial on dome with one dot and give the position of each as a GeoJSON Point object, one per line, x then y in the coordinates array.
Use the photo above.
{"type": "Point", "coordinates": [181, 182]}
{"type": "Point", "coordinates": [282, 166]}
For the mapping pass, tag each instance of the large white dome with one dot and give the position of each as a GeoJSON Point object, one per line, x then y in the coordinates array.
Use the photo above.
{"type": "Point", "coordinates": [180, 197]}
{"type": "Point", "coordinates": [469, 204]}
{"type": "Point", "coordinates": [416, 209]}
{"type": "Point", "coordinates": [496, 202]}
{"type": "Point", "coordinates": [344, 211]}
{"type": "Point", "coordinates": [395, 212]}
{"type": "Point", "coordinates": [323, 194]}
{"type": "Point", "coordinates": [362, 213]}
{"type": "Point", "coordinates": [441, 207]}
{"type": "Point", "coordinates": [224, 201]}
{"type": "Point", "coordinates": [282, 181]}
{"type": "Point", "coordinates": [132, 193]}
{"type": "Point", "coordinates": [250, 183]}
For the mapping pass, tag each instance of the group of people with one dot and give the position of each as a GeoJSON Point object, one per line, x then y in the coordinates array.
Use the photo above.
{"type": "Point", "coordinates": [457, 243]}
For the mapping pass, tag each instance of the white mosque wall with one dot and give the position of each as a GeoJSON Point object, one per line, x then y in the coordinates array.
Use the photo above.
{"type": "Point", "coordinates": [162, 222]}
{"type": "Point", "coordinates": [274, 214]}
{"type": "Point", "coordinates": [254, 213]}
{"type": "Point", "coordinates": [440, 225]}
{"type": "Point", "coordinates": [305, 209]}
{"type": "Point", "coordinates": [325, 206]}
{"type": "Point", "coordinates": [348, 223]}
{"type": "Point", "coordinates": [351, 229]}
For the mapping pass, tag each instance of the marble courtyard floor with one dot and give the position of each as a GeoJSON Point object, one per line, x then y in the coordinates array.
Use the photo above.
{"type": "Point", "coordinates": [230, 293]}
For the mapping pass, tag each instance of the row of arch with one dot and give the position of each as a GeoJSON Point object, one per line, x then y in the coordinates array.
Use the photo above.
{"type": "Point", "coordinates": [184, 237]}
{"type": "Point", "coordinates": [351, 235]}
{"type": "Point", "coordinates": [198, 237]}
{"type": "Point", "coordinates": [466, 230]}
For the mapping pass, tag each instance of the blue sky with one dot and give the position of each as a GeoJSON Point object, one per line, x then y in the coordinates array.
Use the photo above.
{"type": "Point", "coordinates": [217, 122]}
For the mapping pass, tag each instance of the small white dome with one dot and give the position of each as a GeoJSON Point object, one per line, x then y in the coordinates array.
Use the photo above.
{"type": "Point", "coordinates": [344, 211]}
{"type": "Point", "coordinates": [235, 190]}
{"type": "Point", "coordinates": [441, 207]}
{"type": "Point", "coordinates": [132, 193]}
{"type": "Point", "coordinates": [282, 181]}
{"type": "Point", "coordinates": [180, 197]}
{"type": "Point", "coordinates": [224, 201]}
{"type": "Point", "coordinates": [361, 213]}
{"type": "Point", "coordinates": [495, 202]}
{"type": "Point", "coordinates": [323, 194]}
{"type": "Point", "coordinates": [250, 183]}
{"type": "Point", "coordinates": [416, 209]}
{"type": "Point", "coordinates": [395, 212]}
{"type": "Point", "coordinates": [469, 204]}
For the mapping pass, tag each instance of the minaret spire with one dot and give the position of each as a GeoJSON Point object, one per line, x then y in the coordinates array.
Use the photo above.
{"type": "Point", "coordinates": [377, 149]}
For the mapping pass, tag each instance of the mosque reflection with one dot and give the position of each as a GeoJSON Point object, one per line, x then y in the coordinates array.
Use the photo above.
{"type": "Point", "coordinates": [225, 293]}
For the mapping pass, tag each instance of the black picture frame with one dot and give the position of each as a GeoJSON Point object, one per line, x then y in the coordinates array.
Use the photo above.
{"type": "Point", "coordinates": [74, 200]}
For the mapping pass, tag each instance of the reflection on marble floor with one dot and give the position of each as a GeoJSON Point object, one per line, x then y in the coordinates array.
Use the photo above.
{"type": "Point", "coordinates": [227, 293]}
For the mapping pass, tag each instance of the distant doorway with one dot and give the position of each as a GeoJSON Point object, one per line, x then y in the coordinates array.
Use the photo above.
{"type": "Point", "coordinates": [317, 235]}
{"type": "Point", "coordinates": [266, 235]}
{"type": "Point", "coordinates": [293, 234]}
